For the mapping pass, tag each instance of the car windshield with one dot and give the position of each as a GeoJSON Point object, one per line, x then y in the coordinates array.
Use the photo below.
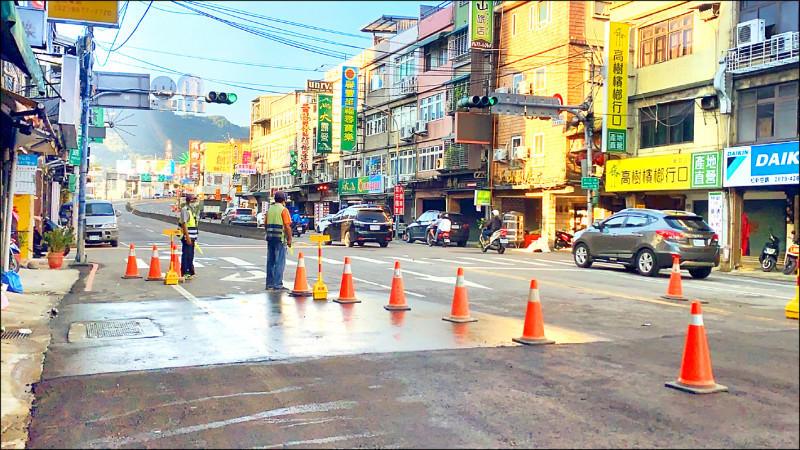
{"type": "Point", "coordinates": [99, 209]}
{"type": "Point", "coordinates": [372, 216]}
{"type": "Point", "coordinates": [687, 223]}
{"type": "Point", "coordinates": [244, 211]}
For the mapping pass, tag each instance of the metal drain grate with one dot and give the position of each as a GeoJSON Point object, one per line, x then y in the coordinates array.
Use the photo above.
{"type": "Point", "coordinates": [113, 328]}
{"type": "Point", "coordinates": [13, 335]}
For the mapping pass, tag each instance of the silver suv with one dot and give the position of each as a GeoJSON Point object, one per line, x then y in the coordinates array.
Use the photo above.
{"type": "Point", "coordinates": [644, 240]}
{"type": "Point", "coordinates": [101, 223]}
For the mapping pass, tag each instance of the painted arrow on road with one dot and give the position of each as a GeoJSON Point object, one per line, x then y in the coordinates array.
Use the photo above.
{"type": "Point", "coordinates": [446, 280]}
{"type": "Point", "coordinates": [254, 275]}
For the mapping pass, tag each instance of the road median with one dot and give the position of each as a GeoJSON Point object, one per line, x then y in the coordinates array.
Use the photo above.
{"type": "Point", "coordinates": [203, 225]}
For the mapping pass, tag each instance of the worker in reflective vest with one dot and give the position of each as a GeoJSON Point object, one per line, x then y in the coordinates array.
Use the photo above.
{"type": "Point", "coordinates": [278, 224]}
{"type": "Point", "coordinates": [188, 222]}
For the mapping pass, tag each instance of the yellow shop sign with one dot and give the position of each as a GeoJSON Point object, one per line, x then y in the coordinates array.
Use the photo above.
{"type": "Point", "coordinates": [649, 173]}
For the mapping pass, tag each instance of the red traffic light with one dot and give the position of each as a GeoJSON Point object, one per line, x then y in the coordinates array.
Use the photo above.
{"type": "Point", "coordinates": [323, 187]}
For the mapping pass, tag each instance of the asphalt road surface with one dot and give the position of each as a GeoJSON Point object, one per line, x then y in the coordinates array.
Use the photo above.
{"type": "Point", "coordinates": [218, 362]}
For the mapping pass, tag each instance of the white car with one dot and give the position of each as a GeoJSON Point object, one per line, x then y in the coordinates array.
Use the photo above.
{"type": "Point", "coordinates": [260, 218]}
{"type": "Point", "coordinates": [323, 223]}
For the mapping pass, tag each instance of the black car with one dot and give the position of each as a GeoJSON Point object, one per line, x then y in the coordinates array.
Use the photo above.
{"type": "Point", "coordinates": [418, 229]}
{"type": "Point", "coordinates": [360, 224]}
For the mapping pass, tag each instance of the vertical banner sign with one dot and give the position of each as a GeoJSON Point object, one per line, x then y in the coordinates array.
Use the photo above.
{"type": "Point", "coordinates": [706, 170]}
{"type": "Point", "coordinates": [25, 174]}
{"type": "Point", "coordinates": [349, 104]}
{"type": "Point", "coordinates": [324, 123]}
{"type": "Point", "coordinates": [399, 200]}
{"type": "Point", "coordinates": [616, 87]}
{"type": "Point", "coordinates": [716, 206]}
{"type": "Point", "coordinates": [481, 28]}
{"type": "Point", "coordinates": [194, 161]}
{"type": "Point", "coordinates": [305, 137]}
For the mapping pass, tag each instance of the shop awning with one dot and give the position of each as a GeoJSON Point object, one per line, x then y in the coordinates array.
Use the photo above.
{"type": "Point", "coordinates": [15, 46]}
{"type": "Point", "coordinates": [35, 130]}
{"type": "Point", "coordinates": [461, 28]}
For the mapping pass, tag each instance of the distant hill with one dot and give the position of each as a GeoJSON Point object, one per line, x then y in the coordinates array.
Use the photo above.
{"type": "Point", "coordinates": [151, 129]}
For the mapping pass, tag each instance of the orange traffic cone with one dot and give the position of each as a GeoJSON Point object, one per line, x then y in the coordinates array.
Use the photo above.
{"type": "Point", "coordinates": [347, 292]}
{"type": "Point", "coordinates": [175, 261]}
{"type": "Point", "coordinates": [397, 297]}
{"type": "Point", "coordinates": [460, 310]}
{"type": "Point", "coordinates": [301, 288]}
{"type": "Point", "coordinates": [155, 267]}
{"type": "Point", "coordinates": [533, 330]}
{"type": "Point", "coordinates": [695, 375]}
{"type": "Point", "coordinates": [132, 271]}
{"type": "Point", "coordinates": [674, 290]}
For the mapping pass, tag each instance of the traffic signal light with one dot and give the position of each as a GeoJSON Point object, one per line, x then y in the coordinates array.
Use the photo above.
{"type": "Point", "coordinates": [322, 187]}
{"type": "Point", "coordinates": [293, 163]}
{"type": "Point", "coordinates": [477, 101]}
{"type": "Point", "coordinates": [227, 98]}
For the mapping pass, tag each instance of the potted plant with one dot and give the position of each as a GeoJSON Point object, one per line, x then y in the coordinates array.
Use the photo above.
{"type": "Point", "coordinates": [58, 241]}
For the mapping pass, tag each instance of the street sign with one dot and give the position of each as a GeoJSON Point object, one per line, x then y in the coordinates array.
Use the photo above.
{"type": "Point", "coordinates": [399, 200]}
{"type": "Point", "coordinates": [590, 183]}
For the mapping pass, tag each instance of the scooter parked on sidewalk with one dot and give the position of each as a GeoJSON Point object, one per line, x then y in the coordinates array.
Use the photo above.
{"type": "Point", "coordinates": [769, 254]}
{"type": "Point", "coordinates": [790, 260]}
{"type": "Point", "coordinates": [13, 264]}
{"type": "Point", "coordinates": [497, 241]}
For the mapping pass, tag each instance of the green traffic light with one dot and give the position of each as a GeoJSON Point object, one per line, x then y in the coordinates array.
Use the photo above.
{"type": "Point", "coordinates": [232, 98]}
{"type": "Point", "coordinates": [492, 101]}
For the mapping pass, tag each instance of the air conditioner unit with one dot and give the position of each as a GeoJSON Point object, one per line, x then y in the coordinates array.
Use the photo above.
{"type": "Point", "coordinates": [521, 152]}
{"type": "Point", "coordinates": [709, 102]}
{"type": "Point", "coordinates": [421, 127]}
{"type": "Point", "coordinates": [500, 154]}
{"type": "Point", "coordinates": [523, 88]}
{"type": "Point", "coordinates": [782, 43]}
{"type": "Point", "coordinates": [406, 132]}
{"type": "Point", "coordinates": [750, 32]}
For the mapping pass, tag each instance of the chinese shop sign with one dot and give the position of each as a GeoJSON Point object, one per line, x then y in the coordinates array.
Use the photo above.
{"type": "Point", "coordinates": [480, 25]}
{"type": "Point", "coordinates": [362, 185]}
{"type": "Point", "coordinates": [349, 103]}
{"type": "Point", "coordinates": [305, 137]}
{"type": "Point", "coordinates": [616, 87]}
{"type": "Point", "coordinates": [649, 173]}
{"type": "Point", "coordinates": [706, 170]}
{"type": "Point", "coordinates": [324, 123]}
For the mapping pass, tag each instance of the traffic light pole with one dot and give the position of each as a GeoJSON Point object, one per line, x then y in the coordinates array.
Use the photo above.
{"type": "Point", "coordinates": [588, 128]}
{"type": "Point", "coordinates": [86, 75]}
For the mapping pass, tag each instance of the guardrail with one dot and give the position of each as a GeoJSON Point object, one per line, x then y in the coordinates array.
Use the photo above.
{"type": "Point", "coordinates": [204, 226]}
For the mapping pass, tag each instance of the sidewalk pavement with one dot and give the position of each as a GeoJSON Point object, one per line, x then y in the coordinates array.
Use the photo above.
{"type": "Point", "coordinates": [21, 359]}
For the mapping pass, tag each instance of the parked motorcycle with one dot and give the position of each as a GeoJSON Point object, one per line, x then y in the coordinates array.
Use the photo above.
{"type": "Point", "coordinates": [13, 264]}
{"type": "Point", "coordinates": [790, 260]}
{"type": "Point", "coordinates": [769, 254]}
{"type": "Point", "coordinates": [442, 238]}
{"type": "Point", "coordinates": [563, 240]}
{"type": "Point", "coordinates": [497, 241]}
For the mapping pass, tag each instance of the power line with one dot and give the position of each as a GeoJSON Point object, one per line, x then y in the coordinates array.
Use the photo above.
{"type": "Point", "coordinates": [134, 30]}
{"type": "Point", "coordinates": [121, 21]}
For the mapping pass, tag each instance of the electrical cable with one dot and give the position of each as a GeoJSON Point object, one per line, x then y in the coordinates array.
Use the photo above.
{"type": "Point", "coordinates": [116, 35]}
{"type": "Point", "coordinates": [134, 29]}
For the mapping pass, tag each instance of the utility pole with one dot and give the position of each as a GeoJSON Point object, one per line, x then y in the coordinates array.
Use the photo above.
{"type": "Point", "coordinates": [588, 128]}
{"type": "Point", "coordinates": [86, 77]}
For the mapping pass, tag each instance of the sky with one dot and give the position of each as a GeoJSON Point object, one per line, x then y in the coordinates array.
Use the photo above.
{"type": "Point", "coordinates": [169, 40]}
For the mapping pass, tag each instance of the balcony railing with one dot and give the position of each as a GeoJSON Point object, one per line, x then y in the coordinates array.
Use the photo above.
{"type": "Point", "coordinates": [778, 50]}
{"type": "Point", "coordinates": [407, 85]}
{"type": "Point", "coordinates": [455, 157]}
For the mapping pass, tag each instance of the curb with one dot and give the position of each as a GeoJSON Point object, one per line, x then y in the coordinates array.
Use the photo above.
{"type": "Point", "coordinates": [204, 226]}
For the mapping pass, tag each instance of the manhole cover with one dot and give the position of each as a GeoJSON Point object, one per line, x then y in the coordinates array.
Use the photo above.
{"type": "Point", "coordinates": [13, 335]}
{"type": "Point", "coordinates": [113, 328]}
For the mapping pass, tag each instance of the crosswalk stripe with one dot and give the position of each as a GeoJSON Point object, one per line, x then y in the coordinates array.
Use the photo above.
{"type": "Point", "coordinates": [327, 260]}
{"type": "Point", "coordinates": [521, 261]}
{"type": "Point", "coordinates": [369, 260]}
{"type": "Point", "coordinates": [450, 261]}
{"type": "Point", "coordinates": [140, 264]}
{"type": "Point", "coordinates": [236, 261]}
{"type": "Point", "coordinates": [415, 261]}
{"type": "Point", "coordinates": [486, 260]}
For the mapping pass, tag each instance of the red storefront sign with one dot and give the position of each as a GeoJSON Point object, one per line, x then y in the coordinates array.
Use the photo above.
{"type": "Point", "coordinates": [399, 200]}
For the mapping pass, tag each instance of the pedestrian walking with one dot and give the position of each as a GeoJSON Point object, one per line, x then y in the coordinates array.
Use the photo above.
{"type": "Point", "coordinates": [278, 225]}
{"type": "Point", "coordinates": [188, 223]}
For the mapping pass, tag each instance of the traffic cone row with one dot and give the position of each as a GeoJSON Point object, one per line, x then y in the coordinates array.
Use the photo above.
{"type": "Point", "coordinates": [132, 271]}
{"type": "Point", "coordinates": [695, 375]}
{"type": "Point", "coordinates": [674, 290]}
{"type": "Point", "coordinates": [301, 288]}
{"type": "Point", "coordinates": [155, 267]}
{"type": "Point", "coordinates": [347, 293]}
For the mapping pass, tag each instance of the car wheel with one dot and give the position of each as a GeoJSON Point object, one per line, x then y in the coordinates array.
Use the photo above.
{"type": "Point", "coordinates": [348, 240]}
{"type": "Point", "coordinates": [409, 239]}
{"type": "Point", "coordinates": [462, 243]}
{"type": "Point", "coordinates": [582, 256]}
{"type": "Point", "coordinates": [115, 243]}
{"type": "Point", "coordinates": [384, 244]}
{"type": "Point", "coordinates": [700, 272]}
{"type": "Point", "coordinates": [646, 263]}
{"type": "Point", "coordinates": [360, 243]}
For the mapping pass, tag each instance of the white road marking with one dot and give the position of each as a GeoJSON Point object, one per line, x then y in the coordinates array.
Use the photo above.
{"type": "Point", "coordinates": [415, 261]}
{"type": "Point", "coordinates": [524, 261]}
{"type": "Point", "coordinates": [485, 260]}
{"type": "Point", "coordinates": [254, 275]}
{"type": "Point", "coordinates": [446, 280]}
{"type": "Point", "coordinates": [369, 260]}
{"type": "Point", "coordinates": [451, 261]}
{"type": "Point", "coordinates": [361, 280]}
{"type": "Point", "coordinates": [236, 261]}
{"type": "Point", "coordinates": [326, 260]}
{"type": "Point", "coordinates": [148, 229]}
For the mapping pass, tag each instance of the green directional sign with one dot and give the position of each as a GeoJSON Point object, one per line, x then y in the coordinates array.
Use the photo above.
{"type": "Point", "coordinates": [590, 183]}
{"type": "Point", "coordinates": [161, 178]}
{"type": "Point", "coordinates": [75, 156]}
{"type": "Point", "coordinates": [73, 181]}
{"type": "Point", "coordinates": [483, 198]}
{"type": "Point", "coordinates": [145, 177]}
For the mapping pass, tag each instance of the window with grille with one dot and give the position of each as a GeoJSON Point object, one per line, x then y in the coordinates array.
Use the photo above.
{"type": "Point", "coordinates": [406, 162]}
{"type": "Point", "coordinates": [767, 113]}
{"type": "Point", "coordinates": [667, 124]}
{"type": "Point", "coordinates": [376, 124]}
{"type": "Point", "coordinates": [404, 67]}
{"type": "Point", "coordinates": [435, 55]}
{"type": "Point", "coordinates": [779, 17]}
{"type": "Point", "coordinates": [428, 157]}
{"type": "Point", "coordinates": [666, 40]}
{"type": "Point", "coordinates": [431, 108]}
{"type": "Point", "coordinates": [458, 45]}
{"type": "Point", "coordinates": [351, 168]}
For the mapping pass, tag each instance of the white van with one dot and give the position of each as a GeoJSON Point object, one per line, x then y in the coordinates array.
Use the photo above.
{"type": "Point", "coordinates": [101, 223]}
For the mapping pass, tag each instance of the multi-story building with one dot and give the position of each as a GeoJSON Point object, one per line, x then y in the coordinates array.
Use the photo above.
{"type": "Point", "coordinates": [545, 48]}
{"type": "Point", "coordinates": [757, 86]}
